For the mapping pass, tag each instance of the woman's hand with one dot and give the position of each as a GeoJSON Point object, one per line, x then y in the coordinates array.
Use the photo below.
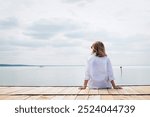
{"type": "Point", "coordinates": [117, 87]}
{"type": "Point", "coordinates": [84, 85]}
{"type": "Point", "coordinates": [82, 88]}
{"type": "Point", "coordinates": [114, 85]}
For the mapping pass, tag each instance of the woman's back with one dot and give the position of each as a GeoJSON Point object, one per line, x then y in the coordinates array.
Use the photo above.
{"type": "Point", "coordinates": [99, 69]}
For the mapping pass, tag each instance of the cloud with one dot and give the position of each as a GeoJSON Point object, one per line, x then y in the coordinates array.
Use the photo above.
{"type": "Point", "coordinates": [77, 1]}
{"type": "Point", "coordinates": [101, 35]}
{"type": "Point", "coordinates": [8, 23]}
{"type": "Point", "coordinates": [44, 29]}
{"type": "Point", "coordinates": [53, 30]}
{"type": "Point", "coordinates": [76, 34]}
{"type": "Point", "coordinates": [14, 42]}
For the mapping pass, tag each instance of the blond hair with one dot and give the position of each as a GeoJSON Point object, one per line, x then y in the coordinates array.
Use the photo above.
{"type": "Point", "coordinates": [98, 49]}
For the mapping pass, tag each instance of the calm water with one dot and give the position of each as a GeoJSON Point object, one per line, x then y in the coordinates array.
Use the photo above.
{"type": "Point", "coordinates": [68, 75]}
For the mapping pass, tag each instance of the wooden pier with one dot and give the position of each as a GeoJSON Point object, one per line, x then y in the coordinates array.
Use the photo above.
{"type": "Point", "coordinates": [73, 93]}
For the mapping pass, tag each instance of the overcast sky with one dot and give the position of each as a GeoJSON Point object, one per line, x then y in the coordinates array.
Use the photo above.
{"type": "Point", "coordinates": [62, 31]}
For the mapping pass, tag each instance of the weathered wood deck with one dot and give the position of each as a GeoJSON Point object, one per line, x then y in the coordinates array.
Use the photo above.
{"type": "Point", "coordinates": [73, 93]}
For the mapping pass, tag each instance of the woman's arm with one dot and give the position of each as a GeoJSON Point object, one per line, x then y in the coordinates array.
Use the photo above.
{"type": "Point", "coordinates": [87, 76]}
{"type": "Point", "coordinates": [111, 75]}
{"type": "Point", "coordinates": [85, 84]}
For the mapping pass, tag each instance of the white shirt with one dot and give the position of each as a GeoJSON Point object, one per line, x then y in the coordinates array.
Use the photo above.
{"type": "Point", "coordinates": [99, 72]}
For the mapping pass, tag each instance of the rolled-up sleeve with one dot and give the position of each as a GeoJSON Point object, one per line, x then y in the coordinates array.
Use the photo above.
{"type": "Point", "coordinates": [110, 70]}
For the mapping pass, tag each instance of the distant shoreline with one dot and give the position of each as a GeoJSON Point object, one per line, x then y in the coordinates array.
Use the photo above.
{"type": "Point", "coordinates": [25, 65]}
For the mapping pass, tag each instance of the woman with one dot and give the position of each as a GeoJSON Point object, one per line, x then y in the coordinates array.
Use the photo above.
{"type": "Point", "coordinates": [99, 72]}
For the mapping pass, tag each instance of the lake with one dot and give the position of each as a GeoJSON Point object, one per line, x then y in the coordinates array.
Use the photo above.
{"type": "Point", "coordinates": [71, 75]}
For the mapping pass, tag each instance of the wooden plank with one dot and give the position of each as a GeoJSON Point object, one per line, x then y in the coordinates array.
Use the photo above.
{"type": "Point", "coordinates": [16, 97]}
{"type": "Point", "coordinates": [112, 91]}
{"type": "Point", "coordinates": [121, 97]}
{"type": "Point", "coordinates": [67, 90]}
{"type": "Point", "coordinates": [107, 97]}
{"type": "Point", "coordinates": [67, 97]}
{"type": "Point", "coordinates": [142, 89]}
{"type": "Point", "coordinates": [130, 90]}
{"type": "Point", "coordinates": [44, 90]}
{"type": "Point", "coordinates": [130, 97]}
{"type": "Point", "coordinates": [22, 90]}
{"type": "Point", "coordinates": [75, 90]}
{"type": "Point", "coordinates": [85, 91]}
{"type": "Point", "coordinates": [64, 97]}
{"type": "Point", "coordinates": [82, 97]}
{"type": "Point", "coordinates": [94, 97]}
{"type": "Point", "coordinates": [52, 90]}
{"type": "Point", "coordinates": [146, 97]}
{"type": "Point", "coordinates": [135, 89]}
{"type": "Point", "coordinates": [58, 97]}
{"type": "Point", "coordinates": [45, 97]}
{"type": "Point", "coordinates": [70, 90]}
{"type": "Point", "coordinates": [1, 88]}
{"type": "Point", "coordinates": [32, 98]}
{"type": "Point", "coordinates": [37, 90]}
{"type": "Point", "coordinates": [3, 97]}
{"type": "Point", "coordinates": [103, 91]}
{"type": "Point", "coordinates": [11, 90]}
{"type": "Point", "coordinates": [93, 91]}
{"type": "Point", "coordinates": [49, 90]}
{"type": "Point", "coordinates": [146, 89]}
{"type": "Point", "coordinates": [122, 91]}
{"type": "Point", "coordinates": [72, 93]}
{"type": "Point", "coordinates": [85, 97]}
{"type": "Point", "coordinates": [39, 98]}
{"type": "Point", "coordinates": [136, 97]}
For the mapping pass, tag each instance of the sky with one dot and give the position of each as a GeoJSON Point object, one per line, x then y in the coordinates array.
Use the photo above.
{"type": "Point", "coordinates": [61, 32]}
